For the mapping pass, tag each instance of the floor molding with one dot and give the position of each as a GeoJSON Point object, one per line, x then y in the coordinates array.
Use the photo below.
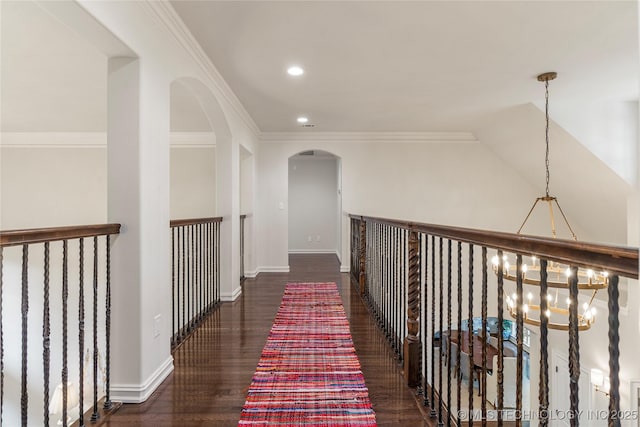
{"type": "Point", "coordinates": [134, 393]}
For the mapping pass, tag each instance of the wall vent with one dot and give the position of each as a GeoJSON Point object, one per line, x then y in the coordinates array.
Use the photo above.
{"type": "Point", "coordinates": [308, 153]}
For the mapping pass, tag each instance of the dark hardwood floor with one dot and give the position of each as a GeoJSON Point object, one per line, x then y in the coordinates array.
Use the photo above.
{"type": "Point", "coordinates": [213, 369]}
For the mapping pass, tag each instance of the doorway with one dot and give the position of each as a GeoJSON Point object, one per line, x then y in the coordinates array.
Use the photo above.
{"type": "Point", "coordinates": [315, 203]}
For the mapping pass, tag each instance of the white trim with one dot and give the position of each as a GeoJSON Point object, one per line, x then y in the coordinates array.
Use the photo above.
{"type": "Point", "coordinates": [345, 269]}
{"type": "Point", "coordinates": [95, 139]}
{"type": "Point", "coordinates": [192, 139]}
{"type": "Point", "coordinates": [397, 137]}
{"type": "Point", "coordinates": [251, 274]}
{"type": "Point", "coordinates": [273, 269]}
{"type": "Point", "coordinates": [166, 15]}
{"type": "Point", "coordinates": [53, 139]}
{"type": "Point", "coordinates": [133, 393]}
{"type": "Point", "coordinates": [225, 297]}
{"type": "Point", "coordinates": [313, 251]}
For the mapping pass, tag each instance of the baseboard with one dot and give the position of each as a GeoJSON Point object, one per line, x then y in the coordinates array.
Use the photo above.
{"type": "Point", "coordinates": [251, 274]}
{"type": "Point", "coordinates": [283, 269]}
{"type": "Point", "coordinates": [313, 251]}
{"type": "Point", "coordinates": [345, 269]}
{"type": "Point", "coordinates": [226, 297]}
{"type": "Point", "coordinates": [133, 393]}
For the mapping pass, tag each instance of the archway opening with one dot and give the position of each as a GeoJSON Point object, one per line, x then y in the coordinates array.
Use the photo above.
{"type": "Point", "coordinates": [315, 203]}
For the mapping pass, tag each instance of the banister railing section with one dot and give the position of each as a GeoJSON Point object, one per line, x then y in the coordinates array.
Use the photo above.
{"type": "Point", "coordinates": [46, 276]}
{"type": "Point", "coordinates": [440, 294]}
{"type": "Point", "coordinates": [195, 274]}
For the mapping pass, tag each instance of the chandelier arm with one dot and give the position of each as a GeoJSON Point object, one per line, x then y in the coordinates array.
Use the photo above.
{"type": "Point", "coordinates": [528, 215]}
{"type": "Point", "coordinates": [573, 235]}
{"type": "Point", "coordinates": [551, 216]}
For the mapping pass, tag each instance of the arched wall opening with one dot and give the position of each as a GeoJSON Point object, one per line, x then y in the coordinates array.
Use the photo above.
{"type": "Point", "coordinates": [315, 203]}
{"type": "Point", "coordinates": [192, 157]}
{"type": "Point", "coordinates": [227, 197]}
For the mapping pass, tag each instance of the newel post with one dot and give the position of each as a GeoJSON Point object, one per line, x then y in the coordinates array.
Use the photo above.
{"type": "Point", "coordinates": [412, 342]}
{"type": "Point", "coordinates": [363, 254]}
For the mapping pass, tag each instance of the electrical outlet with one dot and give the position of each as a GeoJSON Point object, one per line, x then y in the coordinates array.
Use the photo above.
{"type": "Point", "coordinates": [317, 238]}
{"type": "Point", "coordinates": [156, 325]}
{"type": "Point", "coordinates": [309, 238]}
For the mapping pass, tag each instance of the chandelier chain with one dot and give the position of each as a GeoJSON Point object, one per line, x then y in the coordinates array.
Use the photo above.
{"type": "Point", "coordinates": [546, 109]}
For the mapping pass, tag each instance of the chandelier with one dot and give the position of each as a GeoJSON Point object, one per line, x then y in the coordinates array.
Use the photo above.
{"type": "Point", "coordinates": [557, 311]}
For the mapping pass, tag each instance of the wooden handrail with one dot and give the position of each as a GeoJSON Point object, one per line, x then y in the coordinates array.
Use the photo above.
{"type": "Point", "coordinates": [193, 221]}
{"type": "Point", "coordinates": [614, 259]}
{"type": "Point", "coordinates": [49, 234]}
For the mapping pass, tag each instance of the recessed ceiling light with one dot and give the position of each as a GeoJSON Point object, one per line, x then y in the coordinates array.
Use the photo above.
{"type": "Point", "coordinates": [295, 70]}
{"type": "Point", "coordinates": [302, 120]}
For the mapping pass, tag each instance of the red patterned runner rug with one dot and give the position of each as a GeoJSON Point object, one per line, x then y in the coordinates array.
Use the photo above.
{"type": "Point", "coordinates": [309, 374]}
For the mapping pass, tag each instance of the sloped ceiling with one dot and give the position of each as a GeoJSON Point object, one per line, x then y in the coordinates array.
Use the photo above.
{"type": "Point", "coordinates": [414, 66]}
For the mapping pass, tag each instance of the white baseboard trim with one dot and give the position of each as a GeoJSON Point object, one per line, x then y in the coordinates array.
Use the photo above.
{"type": "Point", "coordinates": [251, 274]}
{"type": "Point", "coordinates": [133, 393]}
{"type": "Point", "coordinates": [275, 269]}
{"type": "Point", "coordinates": [227, 297]}
{"type": "Point", "coordinates": [345, 269]}
{"type": "Point", "coordinates": [312, 251]}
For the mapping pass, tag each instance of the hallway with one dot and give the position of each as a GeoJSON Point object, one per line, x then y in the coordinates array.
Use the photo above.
{"type": "Point", "coordinates": [213, 369]}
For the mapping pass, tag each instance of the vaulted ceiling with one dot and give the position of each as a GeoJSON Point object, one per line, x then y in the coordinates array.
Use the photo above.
{"type": "Point", "coordinates": [415, 65]}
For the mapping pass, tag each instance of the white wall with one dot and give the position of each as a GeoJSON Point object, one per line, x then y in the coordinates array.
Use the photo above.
{"type": "Point", "coordinates": [313, 203]}
{"type": "Point", "coordinates": [193, 182]}
{"type": "Point", "coordinates": [452, 183]}
{"type": "Point", "coordinates": [52, 186]}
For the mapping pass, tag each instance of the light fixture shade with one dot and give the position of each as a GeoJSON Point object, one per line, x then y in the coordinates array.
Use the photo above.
{"type": "Point", "coordinates": [597, 377]}
{"type": "Point", "coordinates": [56, 404]}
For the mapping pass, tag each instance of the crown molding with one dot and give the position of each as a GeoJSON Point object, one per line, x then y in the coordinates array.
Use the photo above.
{"type": "Point", "coordinates": [94, 139]}
{"type": "Point", "coordinates": [386, 137]}
{"type": "Point", "coordinates": [166, 15]}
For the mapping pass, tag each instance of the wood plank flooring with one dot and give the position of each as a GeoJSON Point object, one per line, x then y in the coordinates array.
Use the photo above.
{"type": "Point", "coordinates": [213, 369]}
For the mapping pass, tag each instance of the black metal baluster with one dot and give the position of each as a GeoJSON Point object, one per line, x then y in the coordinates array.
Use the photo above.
{"type": "Point", "coordinates": [543, 388]}
{"type": "Point", "coordinates": [519, 336]}
{"type": "Point", "coordinates": [483, 377]}
{"type": "Point", "coordinates": [500, 373]}
{"type": "Point", "coordinates": [385, 279]}
{"type": "Point", "coordinates": [403, 290]}
{"type": "Point", "coordinates": [173, 287]}
{"type": "Point", "coordinates": [458, 379]}
{"type": "Point", "coordinates": [614, 352]}
{"type": "Point", "coordinates": [185, 291]}
{"type": "Point", "coordinates": [81, 315]}
{"type": "Point", "coordinates": [426, 401]}
{"type": "Point", "coordinates": [65, 299]}
{"type": "Point", "coordinates": [95, 416]}
{"type": "Point", "coordinates": [574, 349]}
{"type": "Point", "coordinates": [448, 352]}
{"type": "Point", "coordinates": [1, 336]}
{"type": "Point", "coordinates": [433, 412]}
{"type": "Point", "coordinates": [470, 337]}
{"type": "Point", "coordinates": [218, 260]}
{"type": "Point", "coordinates": [107, 357]}
{"type": "Point", "coordinates": [395, 287]}
{"type": "Point", "coordinates": [193, 286]}
{"type": "Point", "coordinates": [440, 306]}
{"type": "Point", "coordinates": [46, 335]}
{"type": "Point", "coordinates": [201, 271]}
{"type": "Point", "coordinates": [24, 398]}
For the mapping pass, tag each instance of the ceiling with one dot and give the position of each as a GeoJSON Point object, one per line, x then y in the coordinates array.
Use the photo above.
{"type": "Point", "coordinates": [415, 65]}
